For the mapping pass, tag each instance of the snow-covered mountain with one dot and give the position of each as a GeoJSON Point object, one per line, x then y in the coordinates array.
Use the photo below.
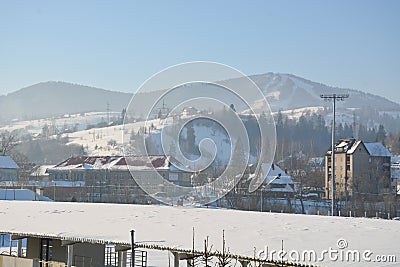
{"type": "Point", "coordinates": [283, 92]}
{"type": "Point", "coordinates": [51, 99]}
{"type": "Point", "coordinates": [288, 92]}
{"type": "Point", "coordinates": [292, 95]}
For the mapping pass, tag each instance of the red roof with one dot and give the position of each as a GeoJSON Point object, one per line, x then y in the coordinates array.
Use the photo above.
{"type": "Point", "coordinates": [136, 161]}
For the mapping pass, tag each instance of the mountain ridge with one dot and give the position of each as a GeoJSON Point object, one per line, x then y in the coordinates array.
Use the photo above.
{"type": "Point", "coordinates": [284, 91]}
{"type": "Point", "coordinates": [53, 98]}
{"type": "Point", "coordinates": [357, 99]}
{"type": "Point", "coordinates": [45, 83]}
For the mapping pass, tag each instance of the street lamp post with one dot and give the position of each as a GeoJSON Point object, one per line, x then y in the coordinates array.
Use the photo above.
{"type": "Point", "coordinates": [54, 190]}
{"type": "Point", "coordinates": [333, 98]}
{"type": "Point", "coordinates": [133, 248]}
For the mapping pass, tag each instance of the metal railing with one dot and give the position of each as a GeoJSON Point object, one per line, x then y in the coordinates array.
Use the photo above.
{"type": "Point", "coordinates": [111, 258]}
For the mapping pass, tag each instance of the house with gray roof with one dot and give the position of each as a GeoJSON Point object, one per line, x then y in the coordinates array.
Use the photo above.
{"type": "Point", "coordinates": [360, 168]}
{"type": "Point", "coordinates": [8, 169]}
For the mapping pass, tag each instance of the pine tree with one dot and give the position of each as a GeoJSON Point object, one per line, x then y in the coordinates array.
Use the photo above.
{"type": "Point", "coordinates": [191, 140]}
{"type": "Point", "coordinates": [381, 134]}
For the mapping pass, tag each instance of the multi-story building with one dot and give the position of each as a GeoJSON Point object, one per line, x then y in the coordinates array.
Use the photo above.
{"type": "Point", "coordinates": [360, 167]}
{"type": "Point", "coordinates": [395, 175]}
{"type": "Point", "coordinates": [111, 178]}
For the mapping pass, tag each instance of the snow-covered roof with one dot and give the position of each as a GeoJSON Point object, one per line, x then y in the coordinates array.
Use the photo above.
{"type": "Point", "coordinates": [377, 150]}
{"type": "Point", "coordinates": [41, 170]}
{"type": "Point", "coordinates": [345, 145]}
{"type": "Point", "coordinates": [276, 176]}
{"type": "Point", "coordinates": [21, 194]}
{"type": "Point", "coordinates": [60, 183]}
{"type": "Point", "coordinates": [273, 173]}
{"type": "Point", "coordinates": [6, 162]}
{"type": "Point", "coordinates": [350, 145]}
{"type": "Point", "coordinates": [354, 147]}
{"type": "Point", "coordinates": [172, 227]}
{"type": "Point", "coordinates": [342, 144]}
{"type": "Point", "coordinates": [117, 163]}
{"type": "Point", "coordinates": [395, 159]}
{"type": "Point", "coordinates": [316, 160]}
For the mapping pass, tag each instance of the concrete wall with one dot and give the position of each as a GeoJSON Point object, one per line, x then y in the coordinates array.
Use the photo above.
{"type": "Point", "coordinates": [59, 252]}
{"type": "Point", "coordinates": [33, 248]}
{"type": "Point", "coordinates": [341, 173]}
{"type": "Point", "coordinates": [10, 261]}
{"type": "Point", "coordinates": [361, 167]}
{"type": "Point", "coordinates": [85, 252]}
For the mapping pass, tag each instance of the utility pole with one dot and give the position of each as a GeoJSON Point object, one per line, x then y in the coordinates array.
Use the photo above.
{"type": "Point", "coordinates": [333, 98]}
{"type": "Point", "coordinates": [108, 113]}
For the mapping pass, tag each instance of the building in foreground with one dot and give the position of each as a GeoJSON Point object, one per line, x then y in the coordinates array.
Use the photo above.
{"type": "Point", "coordinates": [360, 167]}
{"type": "Point", "coordinates": [81, 234]}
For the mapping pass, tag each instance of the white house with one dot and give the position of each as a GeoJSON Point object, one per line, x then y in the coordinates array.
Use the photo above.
{"type": "Point", "coordinates": [277, 181]}
{"type": "Point", "coordinates": [189, 111]}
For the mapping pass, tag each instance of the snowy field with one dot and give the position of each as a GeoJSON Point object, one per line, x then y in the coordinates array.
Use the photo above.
{"type": "Point", "coordinates": [68, 121]}
{"type": "Point", "coordinates": [96, 140]}
{"type": "Point", "coordinates": [245, 232]}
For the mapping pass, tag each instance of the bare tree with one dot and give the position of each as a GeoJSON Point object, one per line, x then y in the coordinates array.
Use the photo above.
{"type": "Point", "coordinates": [7, 142]}
{"type": "Point", "coordinates": [207, 257]}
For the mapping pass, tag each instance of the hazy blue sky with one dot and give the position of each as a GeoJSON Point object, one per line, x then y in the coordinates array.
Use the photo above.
{"type": "Point", "coordinates": [118, 44]}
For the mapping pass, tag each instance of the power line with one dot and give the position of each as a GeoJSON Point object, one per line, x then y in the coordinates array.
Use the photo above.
{"type": "Point", "coordinates": [108, 113]}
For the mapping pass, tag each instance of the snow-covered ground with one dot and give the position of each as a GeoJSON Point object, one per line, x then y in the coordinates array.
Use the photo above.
{"type": "Point", "coordinates": [96, 140]}
{"type": "Point", "coordinates": [99, 137]}
{"type": "Point", "coordinates": [245, 232]}
{"type": "Point", "coordinates": [342, 115]}
{"type": "Point", "coordinates": [297, 113]}
{"type": "Point", "coordinates": [394, 114]}
{"type": "Point", "coordinates": [68, 121]}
